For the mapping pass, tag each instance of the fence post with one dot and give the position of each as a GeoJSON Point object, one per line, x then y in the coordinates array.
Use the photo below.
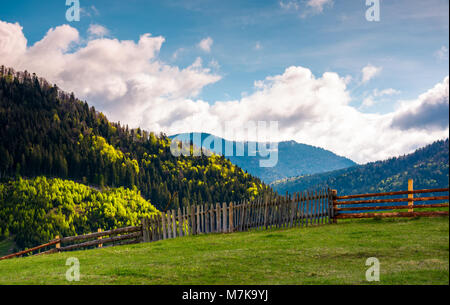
{"type": "Point", "coordinates": [333, 201]}
{"type": "Point", "coordinates": [411, 196]}
{"type": "Point", "coordinates": [100, 237]}
{"type": "Point", "coordinates": [145, 233]}
{"type": "Point", "coordinates": [58, 245]}
{"type": "Point", "coordinates": [230, 221]}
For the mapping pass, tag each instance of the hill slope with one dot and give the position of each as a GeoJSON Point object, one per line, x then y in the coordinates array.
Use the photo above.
{"type": "Point", "coordinates": [33, 211]}
{"type": "Point", "coordinates": [332, 254]}
{"type": "Point", "coordinates": [428, 166]}
{"type": "Point", "coordinates": [44, 131]}
{"type": "Point", "coordinates": [294, 159]}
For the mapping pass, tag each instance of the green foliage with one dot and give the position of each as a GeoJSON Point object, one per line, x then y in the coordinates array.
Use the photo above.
{"type": "Point", "coordinates": [36, 210]}
{"type": "Point", "coordinates": [428, 166]}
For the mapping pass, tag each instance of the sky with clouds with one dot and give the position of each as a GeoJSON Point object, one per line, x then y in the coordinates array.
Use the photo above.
{"type": "Point", "coordinates": [365, 90]}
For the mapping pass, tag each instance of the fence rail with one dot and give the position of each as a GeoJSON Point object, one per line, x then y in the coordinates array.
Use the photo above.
{"type": "Point", "coordinates": [346, 207]}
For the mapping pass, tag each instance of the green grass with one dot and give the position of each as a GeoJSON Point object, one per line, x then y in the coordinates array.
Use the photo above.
{"type": "Point", "coordinates": [411, 251]}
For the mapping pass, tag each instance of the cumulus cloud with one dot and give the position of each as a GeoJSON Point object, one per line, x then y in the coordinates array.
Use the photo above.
{"type": "Point", "coordinates": [369, 72]}
{"type": "Point", "coordinates": [97, 30]}
{"type": "Point", "coordinates": [129, 83]}
{"type": "Point", "coordinates": [430, 111]}
{"type": "Point", "coordinates": [206, 44]}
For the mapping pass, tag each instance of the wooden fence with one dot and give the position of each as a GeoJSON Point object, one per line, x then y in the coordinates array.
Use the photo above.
{"type": "Point", "coordinates": [347, 207]}
{"type": "Point", "coordinates": [300, 209]}
{"type": "Point", "coordinates": [120, 236]}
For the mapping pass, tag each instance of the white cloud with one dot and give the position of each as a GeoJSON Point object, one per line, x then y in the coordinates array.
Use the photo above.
{"type": "Point", "coordinates": [442, 53]}
{"type": "Point", "coordinates": [289, 5]}
{"type": "Point", "coordinates": [318, 5]}
{"type": "Point", "coordinates": [206, 44]}
{"type": "Point", "coordinates": [369, 72]}
{"type": "Point", "coordinates": [369, 100]}
{"type": "Point", "coordinates": [258, 46]}
{"type": "Point", "coordinates": [214, 64]}
{"type": "Point", "coordinates": [430, 111]}
{"type": "Point", "coordinates": [97, 30]}
{"type": "Point", "coordinates": [129, 83]}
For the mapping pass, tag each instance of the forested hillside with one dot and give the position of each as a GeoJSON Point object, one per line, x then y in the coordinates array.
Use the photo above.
{"type": "Point", "coordinates": [34, 211]}
{"type": "Point", "coordinates": [428, 166]}
{"type": "Point", "coordinates": [46, 132]}
{"type": "Point", "coordinates": [294, 159]}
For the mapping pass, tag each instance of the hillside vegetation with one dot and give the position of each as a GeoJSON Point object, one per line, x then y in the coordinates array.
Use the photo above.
{"type": "Point", "coordinates": [34, 211]}
{"type": "Point", "coordinates": [410, 251]}
{"type": "Point", "coordinates": [428, 166]}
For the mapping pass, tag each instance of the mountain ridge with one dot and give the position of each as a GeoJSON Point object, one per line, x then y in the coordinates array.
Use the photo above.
{"type": "Point", "coordinates": [427, 166]}
{"type": "Point", "coordinates": [313, 159]}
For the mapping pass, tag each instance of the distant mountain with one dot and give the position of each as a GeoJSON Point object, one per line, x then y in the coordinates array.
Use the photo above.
{"type": "Point", "coordinates": [294, 159]}
{"type": "Point", "coordinates": [428, 166]}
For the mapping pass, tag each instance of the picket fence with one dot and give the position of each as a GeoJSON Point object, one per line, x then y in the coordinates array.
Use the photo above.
{"type": "Point", "coordinates": [300, 209]}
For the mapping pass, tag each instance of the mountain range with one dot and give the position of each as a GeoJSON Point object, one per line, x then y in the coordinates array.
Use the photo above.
{"type": "Point", "coordinates": [294, 159]}
{"type": "Point", "coordinates": [427, 166]}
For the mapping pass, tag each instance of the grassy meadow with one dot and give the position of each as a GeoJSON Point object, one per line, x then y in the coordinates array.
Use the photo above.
{"type": "Point", "coordinates": [410, 251]}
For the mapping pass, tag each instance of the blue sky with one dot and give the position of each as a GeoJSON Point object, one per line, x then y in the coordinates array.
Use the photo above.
{"type": "Point", "coordinates": [405, 42]}
{"type": "Point", "coordinates": [252, 40]}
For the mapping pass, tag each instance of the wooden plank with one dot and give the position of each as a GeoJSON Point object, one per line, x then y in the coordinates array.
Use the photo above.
{"type": "Point", "coordinates": [169, 225]}
{"type": "Point", "coordinates": [323, 211]}
{"type": "Point", "coordinates": [193, 224]}
{"type": "Point", "coordinates": [51, 243]}
{"type": "Point", "coordinates": [103, 233]}
{"type": "Point", "coordinates": [104, 241]}
{"type": "Point", "coordinates": [99, 230]}
{"type": "Point", "coordinates": [174, 224]}
{"type": "Point", "coordinates": [393, 207]}
{"type": "Point", "coordinates": [411, 196]}
{"type": "Point", "coordinates": [329, 205]}
{"type": "Point", "coordinates": [230, 218]}
{"type": "Point", "coordinates": [224, 218]}
{"type": "Point", "coordinates": [310, 207]}
{"type": "Point", "coordinates": [392, 200]}
{"type": "Point", "coordinates": [207, 219]}
{"type": "Point", "coordinates": [211, 219]}
{"type": "Point", "coordinates": [198, 221]}
{"type": "Point", "coordinates": [180, 223]}
{"type": "Point", "coordinates": [393, 193]}
{"type": "Point", "coordinates": [145, 234]}
{"type": "Point", "coordinates": [396, 214]}
{"type": "Point", "coordinates": [218, 222]}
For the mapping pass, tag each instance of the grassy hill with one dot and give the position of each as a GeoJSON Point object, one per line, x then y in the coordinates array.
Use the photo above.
{"type": "Point", "coordinates": [428, 166]}
{"type": "Point", "coordinates": [410, 251]}
{"type": "Point", "coordinates": [294, 159]}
